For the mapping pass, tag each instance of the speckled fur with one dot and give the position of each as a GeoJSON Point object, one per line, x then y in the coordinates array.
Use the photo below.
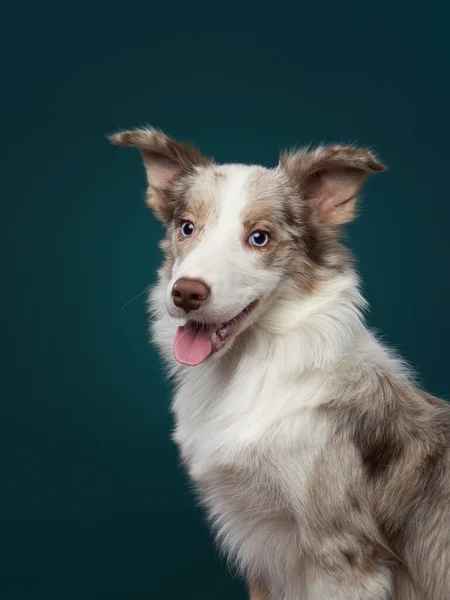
{"type": "Point", "coordinates": [322, 466]}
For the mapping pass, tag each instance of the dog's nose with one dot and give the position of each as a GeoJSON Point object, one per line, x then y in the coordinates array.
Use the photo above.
{"type": "Point", "coordinates": [189, 294]}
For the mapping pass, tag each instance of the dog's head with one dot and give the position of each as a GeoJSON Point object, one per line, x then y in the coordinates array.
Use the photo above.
{"type": "Point", "coordinates": [236, 233]}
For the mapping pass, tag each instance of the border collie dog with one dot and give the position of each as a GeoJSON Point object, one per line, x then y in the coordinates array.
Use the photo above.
{"type": "Point", "coordinates": [322, 466]}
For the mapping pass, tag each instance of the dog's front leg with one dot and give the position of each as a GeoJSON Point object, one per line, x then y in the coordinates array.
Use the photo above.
{"type": "Point", "coordinates": [355, 585]}
{"type": "Point", "coordinates": [257, 590]}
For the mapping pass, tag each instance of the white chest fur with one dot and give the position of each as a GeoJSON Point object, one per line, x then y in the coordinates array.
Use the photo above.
{"type": "Point", "coordinates": [224, 414]}
{"type": "Point", "coordinates": [250, 443]}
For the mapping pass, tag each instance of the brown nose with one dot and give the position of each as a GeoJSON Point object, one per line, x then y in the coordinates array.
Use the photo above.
{"type": "Point", "coordinates": [189, 294]}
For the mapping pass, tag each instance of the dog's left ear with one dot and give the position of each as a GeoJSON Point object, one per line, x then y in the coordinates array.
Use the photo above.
{"type": "Point", "coordinates": [330, 178]}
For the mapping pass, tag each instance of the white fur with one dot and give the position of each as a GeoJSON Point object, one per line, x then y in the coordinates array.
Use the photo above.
{"type": "Point", "coordinates": [220, 257]}
{"type": "Point", "coordinates": [377, 586]}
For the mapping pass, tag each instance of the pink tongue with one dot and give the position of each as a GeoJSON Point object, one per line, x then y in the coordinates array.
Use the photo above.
{"type": "Point", "coordinates": [192, 345]}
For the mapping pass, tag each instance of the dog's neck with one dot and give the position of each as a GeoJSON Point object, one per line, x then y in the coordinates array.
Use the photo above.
{"type": "Point", "coordinates": [313, 331]}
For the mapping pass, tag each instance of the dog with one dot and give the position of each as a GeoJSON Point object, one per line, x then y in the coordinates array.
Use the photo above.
{"type": "Point", "coordinates": [322, 465]}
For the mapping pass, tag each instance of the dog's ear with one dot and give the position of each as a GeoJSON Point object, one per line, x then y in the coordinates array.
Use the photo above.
{"type": "Point", "coordinates": [330, 178]}
{"type": "Point", "coordinates": [164, 159]}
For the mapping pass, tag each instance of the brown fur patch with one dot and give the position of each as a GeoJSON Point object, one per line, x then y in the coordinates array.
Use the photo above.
{"type": "Point", "coordinates": [330, 177]}
{"type": "Point", "coordinates": [195, 199]}
{"type": "Point", "coordinates": [403, 443]}
{"type": "Point", "coordinates": [345, 540]}
{"type": "Point", "coordinates": [303, 162]}
{"type": "Point", "coordinates": [189, 197]}
{"type": "Point", "coordinates": [154, 142]}
{"type": "Point", "coordinates": [166, 161]}
{"type": "Point", "coordinates": [258, 591]}
{"type": "Point", "coordinates": [300, 245]}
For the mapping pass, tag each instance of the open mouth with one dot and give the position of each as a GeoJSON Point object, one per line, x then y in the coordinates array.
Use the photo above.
{"type": "Point", "coordinates": [194, 342]}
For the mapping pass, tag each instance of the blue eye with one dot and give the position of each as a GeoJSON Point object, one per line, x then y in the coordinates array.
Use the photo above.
{"type": "Point", "coordinates": [259, 239]}
{"type": "Point", "coordinates": [187, 228]}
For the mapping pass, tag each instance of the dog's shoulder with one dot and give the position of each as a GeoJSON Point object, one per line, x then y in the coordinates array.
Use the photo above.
{"type": "Point", "coordinates": [387, 418]}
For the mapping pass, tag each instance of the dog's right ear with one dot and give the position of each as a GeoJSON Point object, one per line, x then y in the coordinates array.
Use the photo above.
{"type": "Point", "coordinates": [164, 159]}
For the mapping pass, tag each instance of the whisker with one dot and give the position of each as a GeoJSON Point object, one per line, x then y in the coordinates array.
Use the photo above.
{"type": "Point", "coordinates": [135, 298]}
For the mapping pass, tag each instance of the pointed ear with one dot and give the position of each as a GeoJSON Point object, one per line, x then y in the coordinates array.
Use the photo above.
{"type": "Point", "coordinates": [164, 159]}
{"type": "Point", "coordinates": [330, 178]}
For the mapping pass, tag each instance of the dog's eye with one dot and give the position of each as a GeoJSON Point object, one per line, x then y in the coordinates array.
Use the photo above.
{"type": "Point", "coordinates": [259, 239]}
{"type": "Point", "coordinates": [187, 228]}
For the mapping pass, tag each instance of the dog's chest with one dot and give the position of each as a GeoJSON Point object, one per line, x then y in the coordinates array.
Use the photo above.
{"type": "Point", "coordinates": [239, 424]}
{"type": "Point", "coordinates": [250, 448]}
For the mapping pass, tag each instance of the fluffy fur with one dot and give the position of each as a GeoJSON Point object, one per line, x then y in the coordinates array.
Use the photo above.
{"type": "Point", "coordinates": [322, 466]}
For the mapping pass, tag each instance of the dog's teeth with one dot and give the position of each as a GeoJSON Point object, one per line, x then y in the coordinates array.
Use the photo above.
{"type": "Point", "coordinates": [216, 341]}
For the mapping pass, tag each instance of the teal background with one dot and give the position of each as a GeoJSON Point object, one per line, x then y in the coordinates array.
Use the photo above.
{"type": "Point", "coordinates": [93, 503]}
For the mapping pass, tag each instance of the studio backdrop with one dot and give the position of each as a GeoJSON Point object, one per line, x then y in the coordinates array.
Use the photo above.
{"type": "Point", "coordinates": [93, 502]}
